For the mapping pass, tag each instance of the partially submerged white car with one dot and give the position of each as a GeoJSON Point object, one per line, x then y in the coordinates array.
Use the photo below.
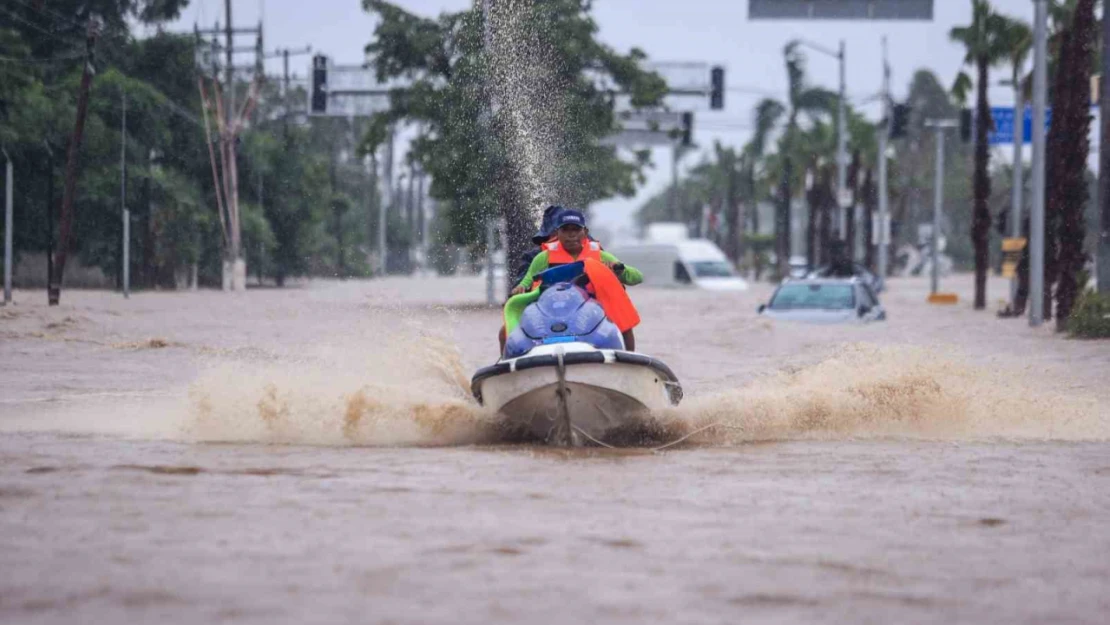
{"type": "Point", "coordinates": [824, 300]}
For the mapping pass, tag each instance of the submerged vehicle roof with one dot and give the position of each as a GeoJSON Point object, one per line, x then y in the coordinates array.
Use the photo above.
{"type": "Point", "coordinates": [690, 249]}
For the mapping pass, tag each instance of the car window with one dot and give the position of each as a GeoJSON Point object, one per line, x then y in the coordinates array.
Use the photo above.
{"type": "Point", "coordinates": [712, 269]}
{"type": "Point", "coordinates": [813, 296]}
{"type": "Point", "coordinates": [680, 274]}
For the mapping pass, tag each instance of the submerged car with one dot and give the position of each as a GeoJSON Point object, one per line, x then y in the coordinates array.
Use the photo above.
{"type": "Point", "coordinates": [824, 300]}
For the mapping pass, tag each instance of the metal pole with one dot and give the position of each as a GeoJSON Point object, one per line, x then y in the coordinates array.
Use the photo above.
{"type": "Point", "coordinates": [938, 200]}
{"type": "Point", "coordinates": [1102, 253]}
{"type": "Point", "coordinates": [125, 214]}
{"type": "Point", "coordinates": [884, 135]}
{"type": "Point", "coordinates": [842, 145]}
{"type": "Point", "coordinates": [9, 182]}
{"type": "Point", "coordinates": [1018, 179]}
{"type": "Point", "coordinates": [387, 205]}
{"type": "Point", "coordinates": [490, 236]}
{"type": "Point", "coordinates": [487, 42]}
{"type": "Point", "coordinates": [674, 183]}
{"type": "Point", "coordinates": [1036, 210]}
{"type": "Point", "coordinates": [1019, 165]}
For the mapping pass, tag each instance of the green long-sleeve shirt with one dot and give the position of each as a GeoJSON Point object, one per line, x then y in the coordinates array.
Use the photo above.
{"type": "Point", "coordinates": [631, 275]}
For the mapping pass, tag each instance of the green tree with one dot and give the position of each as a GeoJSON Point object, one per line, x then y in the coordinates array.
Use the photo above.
{"type": "Point", "coordinates": [552, 81]}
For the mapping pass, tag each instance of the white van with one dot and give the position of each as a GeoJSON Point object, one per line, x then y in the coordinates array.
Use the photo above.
{"type": "Point", "coordinates": [685, 263]}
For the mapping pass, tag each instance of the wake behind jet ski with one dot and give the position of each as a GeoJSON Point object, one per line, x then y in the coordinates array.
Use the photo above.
{"type": "Point", "coordinates": [565, 376]}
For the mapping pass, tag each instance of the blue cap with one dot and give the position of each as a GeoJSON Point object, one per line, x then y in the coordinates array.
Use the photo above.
{"type": "Point", "coordinates": [570, 217]}
{"type": "Point", "coordinates": [547, 226]}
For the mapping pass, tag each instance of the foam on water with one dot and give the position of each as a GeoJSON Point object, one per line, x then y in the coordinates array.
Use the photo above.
{"type": "Point", "coordinates": [873, 391]}
{"type": "Point", "coordinates": [405, 390]}
{"type": "Point", "coordinates": [421, 397]}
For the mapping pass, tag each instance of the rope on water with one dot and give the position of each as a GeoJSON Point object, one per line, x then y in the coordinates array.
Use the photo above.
{"type": "Point", "coordinates": [661, 447]}
{"type": "Point", "coordinates": [687, 436]}
{"type": "Point", "coordinates": [592, 439]}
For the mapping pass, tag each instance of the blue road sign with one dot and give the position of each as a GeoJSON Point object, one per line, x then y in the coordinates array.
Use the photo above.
{"type": "Point", "coordinates": [1003, 132]}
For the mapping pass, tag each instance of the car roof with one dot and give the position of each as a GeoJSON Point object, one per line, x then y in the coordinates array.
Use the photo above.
{"type": "Point", "coordinates": [851, 281]}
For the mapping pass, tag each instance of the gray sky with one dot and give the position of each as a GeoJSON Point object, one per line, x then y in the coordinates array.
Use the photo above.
{"type": "Point", "coordinates": [714, 31]}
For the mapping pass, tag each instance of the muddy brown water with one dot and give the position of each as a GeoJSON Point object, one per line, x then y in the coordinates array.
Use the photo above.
{"type": "Point", "coordinates": [312, 455]}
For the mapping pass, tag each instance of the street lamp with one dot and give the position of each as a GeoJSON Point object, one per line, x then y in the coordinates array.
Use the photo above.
{"type": "Point", "coordinates": [1036, 210]}
{"type": "Point", "coordinates": [841, 138]}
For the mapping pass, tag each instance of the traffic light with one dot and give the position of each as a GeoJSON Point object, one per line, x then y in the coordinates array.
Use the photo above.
{"type": "Point", "coordinates": [687, 129]}
{"type": "Point", "coordinates": [899, 121]}
{"type": "Point", "coordinates": [319, 84]}
{"type": "Point", "coordinates": [717, 88]}
{"type": "Point", "coordinates": [966, 124]}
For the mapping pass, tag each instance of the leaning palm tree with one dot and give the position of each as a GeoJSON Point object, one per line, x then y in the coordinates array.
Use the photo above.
{"type": "Point", "coordinates": [767, 115]}
{"type": "Point", "coordinates": [985, 44]}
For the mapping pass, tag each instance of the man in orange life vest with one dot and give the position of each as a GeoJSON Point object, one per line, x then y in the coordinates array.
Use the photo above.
{"type": "Point", "coordinates": [572, 244]}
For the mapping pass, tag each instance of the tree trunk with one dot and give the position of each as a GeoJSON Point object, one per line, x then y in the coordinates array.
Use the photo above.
{"type": "Point", "coordinates": [868, 193]}
{"type": "Point", "coordinates": [981, 182]}
{"type": "Point", "coordinates": [1071, 229]}
{"type": "Point", "coordinates": [813, 205]}
{"type": "Point", "coordinates": [735, 208]}
{"type": "Point", "coordinates": [827, 204]}
{"type": "Point", "coordinates": [782, 221]}
{"type": "Point", "coordinates": [850, 218]}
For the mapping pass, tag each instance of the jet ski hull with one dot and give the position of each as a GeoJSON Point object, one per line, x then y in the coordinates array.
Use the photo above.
{"type": "Point", "coordinates": [575, 394]}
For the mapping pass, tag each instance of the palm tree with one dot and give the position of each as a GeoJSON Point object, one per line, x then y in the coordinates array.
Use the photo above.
{"type": "Point", "coordinates": [1067, 159]}
{"type": "Point", "coordinates": [766, 119]}
{"type": "Point", "coordinates": [985, 43]}
{"type": "Point", "coordinates": [801, 98]}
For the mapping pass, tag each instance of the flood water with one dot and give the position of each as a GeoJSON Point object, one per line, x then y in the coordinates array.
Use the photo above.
{"type": "Point", "coordinates": [312, 455]}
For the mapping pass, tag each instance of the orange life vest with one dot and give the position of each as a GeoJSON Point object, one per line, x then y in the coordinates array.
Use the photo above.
{"type": "Point", "coordinates": [556, 255]}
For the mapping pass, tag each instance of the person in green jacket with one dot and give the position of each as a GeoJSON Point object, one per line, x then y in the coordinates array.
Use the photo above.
{"type": "Point", "coordinates": [573, 244]}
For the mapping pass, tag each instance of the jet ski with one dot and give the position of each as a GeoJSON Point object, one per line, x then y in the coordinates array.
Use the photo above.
{"type": "Point", "coordinates": [565, 377]}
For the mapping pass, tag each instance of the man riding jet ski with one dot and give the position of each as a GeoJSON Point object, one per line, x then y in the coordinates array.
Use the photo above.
{"type": "Point", "coordinates": [567, 375]}
{"type": "Point", "coordinates": [572, 243]}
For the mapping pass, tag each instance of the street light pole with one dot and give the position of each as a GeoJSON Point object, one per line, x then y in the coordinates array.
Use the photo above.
{"type": "Point", "coordinates": [1036, 209]}
{"type": "Point", "coordinates": [940, 125]}
{"type": "Point", "coordinates": [884, 135]}
{"type": "Point", "coordinates": [842, 152]}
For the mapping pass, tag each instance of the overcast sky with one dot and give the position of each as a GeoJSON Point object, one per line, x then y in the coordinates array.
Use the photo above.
{"type": "Point", "coordinates": [713, 31]}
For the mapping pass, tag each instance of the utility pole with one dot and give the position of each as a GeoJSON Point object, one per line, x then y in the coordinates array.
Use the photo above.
{"type": "Point", "coordinates": [940, 125]}
{"type": "Point", "coordinates": [9, 182]}
{"type": "Point", "coordinates": [124, 213]}
{"type": "Point", "coordinates": [1102, 254]}
{"type": "Point", "coordinates": [1036, 209]}
{"type": "Point", "coordinates": [884, 198]}
{"type": "Point", "coordinates": [229, 119]}
{"type": "Point", "coordinates": [65, 228]}
{"type": "Point", "coordinates": [842, 150]}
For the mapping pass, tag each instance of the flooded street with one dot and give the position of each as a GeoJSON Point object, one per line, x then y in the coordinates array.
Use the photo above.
{"type": "Point", "coordinates": [313, 455]}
